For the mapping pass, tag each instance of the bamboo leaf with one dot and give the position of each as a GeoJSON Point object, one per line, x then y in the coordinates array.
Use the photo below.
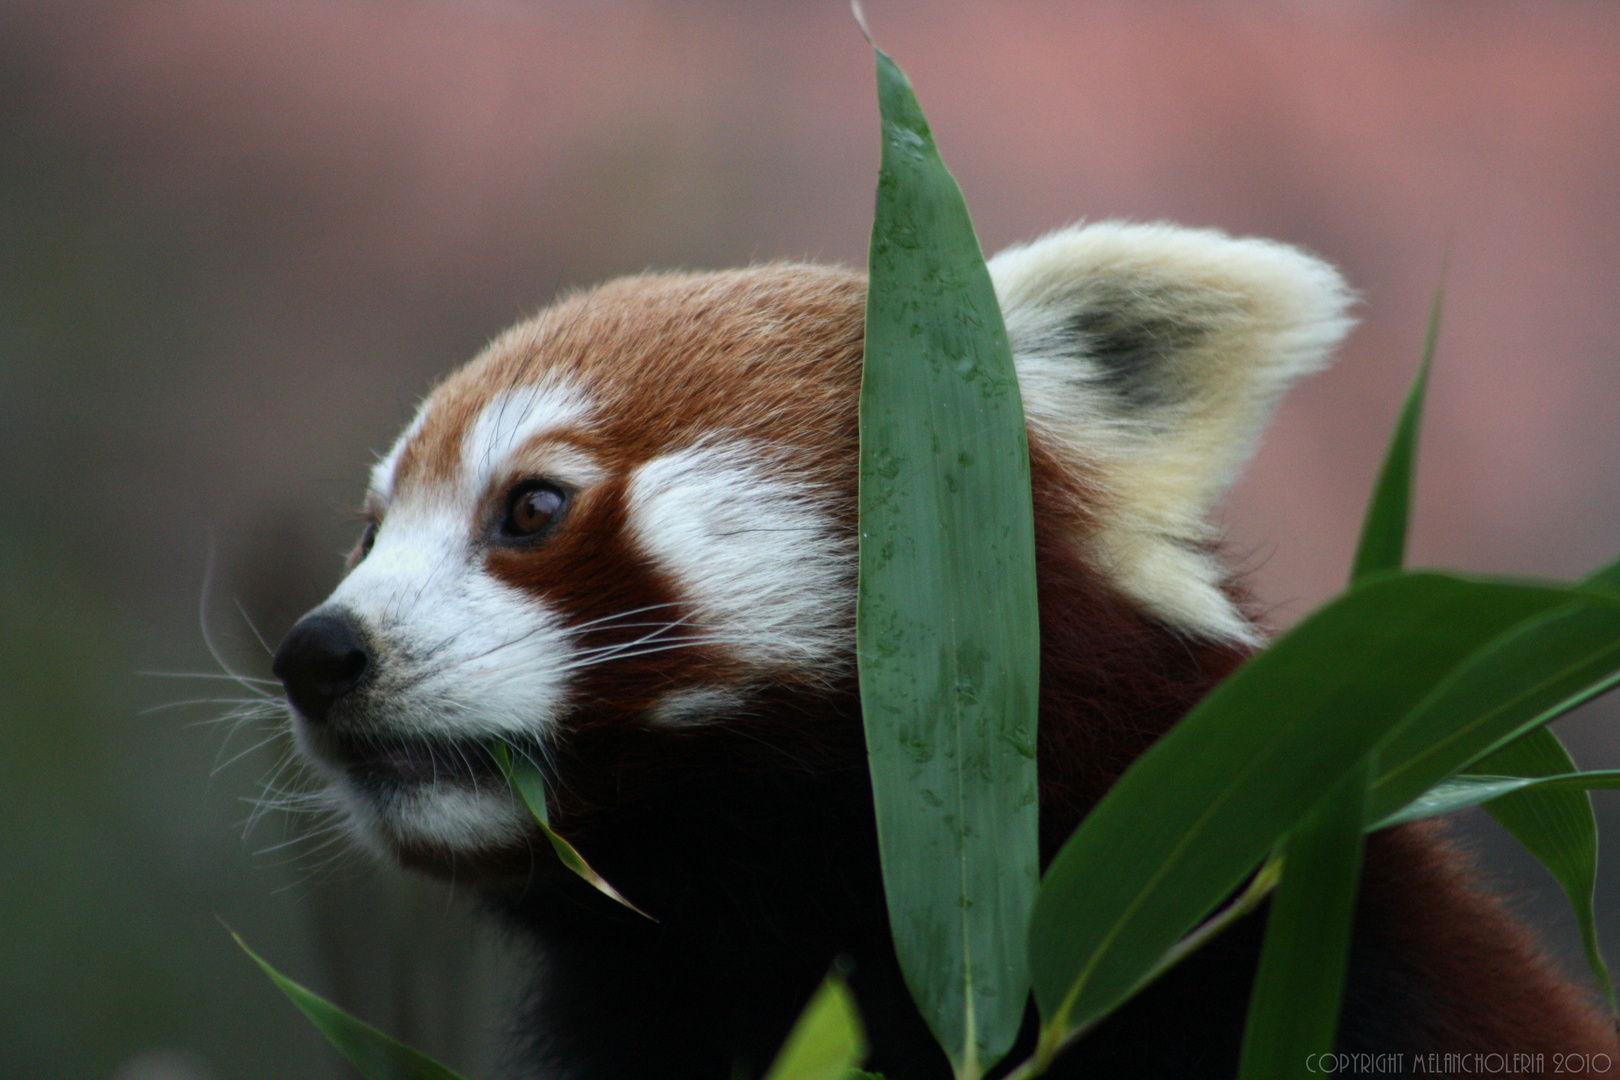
{"type": "Point", "coordinates": [1294, 1007]}
{"type": "Point", "coordinates": [1198, 811]}
{"type": "Point", "coordinates": [1383, 532]}
{"type": "Point", "coordinates": [946, 620]}
{"type": "Point", "coordinates": [530, 787]}
{"type": "Point", "coordinates": [375, 1055]}
{"type": "Point", "coordinates": [1461, 792]}
{"type": "Point", "coordinates": [827, 1042]}
{"type": "Point", "coordinates": [1606, 579]}
{"type": "Point", "coordinates": [1532, 673]}
{"type": "Point", "coordinates": [1557, 826]}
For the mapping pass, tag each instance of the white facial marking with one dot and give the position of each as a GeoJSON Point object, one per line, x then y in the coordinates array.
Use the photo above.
{"type": "Point", "coordinates": [473, 657]}
{"type": "Point", "coordinates": [753, 550]}
{"type": "Point", "coordinates": [481, 657]}
{"type": "Point", "coordinates": [454, 817]}
{"type": "Point", "coordinates": [382, 474]}
{"type": "Point", "coordinates": [510, 420]}
{"type": "Point", "coordinates": [459, 653]}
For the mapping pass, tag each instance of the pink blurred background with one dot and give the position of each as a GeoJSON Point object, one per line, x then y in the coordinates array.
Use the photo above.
{"type": "Point", "coordinates": [239, 239]}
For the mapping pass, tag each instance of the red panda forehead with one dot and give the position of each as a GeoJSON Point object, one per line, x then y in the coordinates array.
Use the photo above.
{"type": "Point", "coordinates": [642, 366]}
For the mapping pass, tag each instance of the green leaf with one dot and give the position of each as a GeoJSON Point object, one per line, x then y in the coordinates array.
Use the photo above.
{"type": "Point", "coordinates": [1606, 578]}
{"type": "Point", "coordinates": [1557, 826]}
{"type": "Point", "coordinates": [1532, 673]}
{"type": "Point", "coordinates": [1383, 532]}
{"type": "Point", "coordinates": [1449, 796]}
{"type": "Point", "coordinates": [1461, 792]}
{"type": "Point", "coordinates": [1294, 1008]}
{"type": "Point", "coordinates": [375, 1055]}
{"type": "Point", "coordinates": [1199, 810]}
{"type": "Point", "coordinates": [530, 787]}
{"type": "Point", "coordinates": [826, 1043]}
{"type": "Point", "coordinates": [948, 639]}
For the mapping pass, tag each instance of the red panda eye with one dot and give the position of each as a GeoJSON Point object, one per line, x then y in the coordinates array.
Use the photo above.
{"type": "Point", "coordinates": [532, 508]}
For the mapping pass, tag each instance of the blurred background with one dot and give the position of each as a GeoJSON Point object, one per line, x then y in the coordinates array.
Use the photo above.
{"type": "Point", "coordinates": [240, 238]}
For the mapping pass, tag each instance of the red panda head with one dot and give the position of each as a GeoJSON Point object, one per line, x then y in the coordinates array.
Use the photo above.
{"type": "Point", "coordinates": [636, 512]}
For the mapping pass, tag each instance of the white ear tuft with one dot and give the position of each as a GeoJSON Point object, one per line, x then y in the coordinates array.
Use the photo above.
{"type": "Point", "coordinates": [1151, 356]}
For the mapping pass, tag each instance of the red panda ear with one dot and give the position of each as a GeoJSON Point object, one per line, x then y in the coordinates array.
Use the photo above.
{"type": "Point", "coordinates": [1151, 356]}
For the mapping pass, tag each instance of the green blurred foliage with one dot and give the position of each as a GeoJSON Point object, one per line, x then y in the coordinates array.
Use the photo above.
{"type": "Point", "coordinates": [120, 843]}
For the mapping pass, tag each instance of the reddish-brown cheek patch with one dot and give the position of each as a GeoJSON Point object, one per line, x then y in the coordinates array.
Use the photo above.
{"type": "Point", "coordinates": [636, 638]}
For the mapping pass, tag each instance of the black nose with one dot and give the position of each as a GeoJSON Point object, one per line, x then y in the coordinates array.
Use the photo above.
{"type": "Point", "coordinates": [322, 658]}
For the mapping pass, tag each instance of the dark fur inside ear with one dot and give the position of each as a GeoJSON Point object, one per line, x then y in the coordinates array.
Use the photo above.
{"type": "Point", "coordinates": [1130, 346]}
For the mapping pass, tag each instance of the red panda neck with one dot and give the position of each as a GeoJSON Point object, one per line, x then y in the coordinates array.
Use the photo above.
{"type": "Point", "coordinates": [1113, 679]}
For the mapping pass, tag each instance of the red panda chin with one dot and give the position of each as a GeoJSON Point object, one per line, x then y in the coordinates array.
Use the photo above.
{"type": "Point", "coordinates": [445, 827]}
{"type": "Point", "coordinates": [518, 867]}
{"type": "Point", "coordinates": [423, 800]}
{"type": "Point", "coordinates": [386, 760]}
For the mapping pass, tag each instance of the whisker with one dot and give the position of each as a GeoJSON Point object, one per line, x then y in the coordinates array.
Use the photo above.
{"type": "Point", "coordinates": [333, 834]}
{"type": "Point", "coordinates": [577, 664]}
{"type": "Point", "coordinates": [208, 675]}
{"type": "Point", "coordinates": [663, 628]}
{"type": "Point", "coordinates": [244, 713]}
{"type": "Point", "coordinates": [292, 802]}
{"type": "Point", "coordinates": [239, 755]}
{"type": "Point", "coordinates": [638, 625]}
{"type": "Point", "coordinates": [288, 760]}
{"type": "Point", "coordinates": [246, 618]}
{"type": "Point", "coordinates": [444, 643]}
{"type": "Point", "coordinates": [784, 528]}
{"type": "Point", "coordinates": [150, 709]}
{"type": "Point", "coordinates": [471, 772]}
{"type": "Point", "coordinates": [605, 622]}
{"type": "Point", "coordinates": [604, 619]}
{"type": "Point", "coordinates": [207, 631]}
{"type": "Point", "coordinates": [241, 716]}
{"type": "Point", "coordinates": [692, 642]}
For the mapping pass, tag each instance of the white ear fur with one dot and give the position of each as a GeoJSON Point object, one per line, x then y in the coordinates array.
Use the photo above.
{"type": "Point", "coordinates": [1151, 356]}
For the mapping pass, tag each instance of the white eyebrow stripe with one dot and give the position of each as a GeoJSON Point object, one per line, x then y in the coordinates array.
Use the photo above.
{"type": "Point", "coordinates": [382, 474]}
{"type": "Point", "coordinates": [511, 419]}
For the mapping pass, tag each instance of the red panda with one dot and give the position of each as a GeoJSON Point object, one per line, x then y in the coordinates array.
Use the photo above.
{"type": "Point", "coordinates": [622, 539]}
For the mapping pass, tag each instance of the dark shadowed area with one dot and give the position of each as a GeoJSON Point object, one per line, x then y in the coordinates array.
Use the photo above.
{"type": "Point", "coordinates": [238, 240]}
